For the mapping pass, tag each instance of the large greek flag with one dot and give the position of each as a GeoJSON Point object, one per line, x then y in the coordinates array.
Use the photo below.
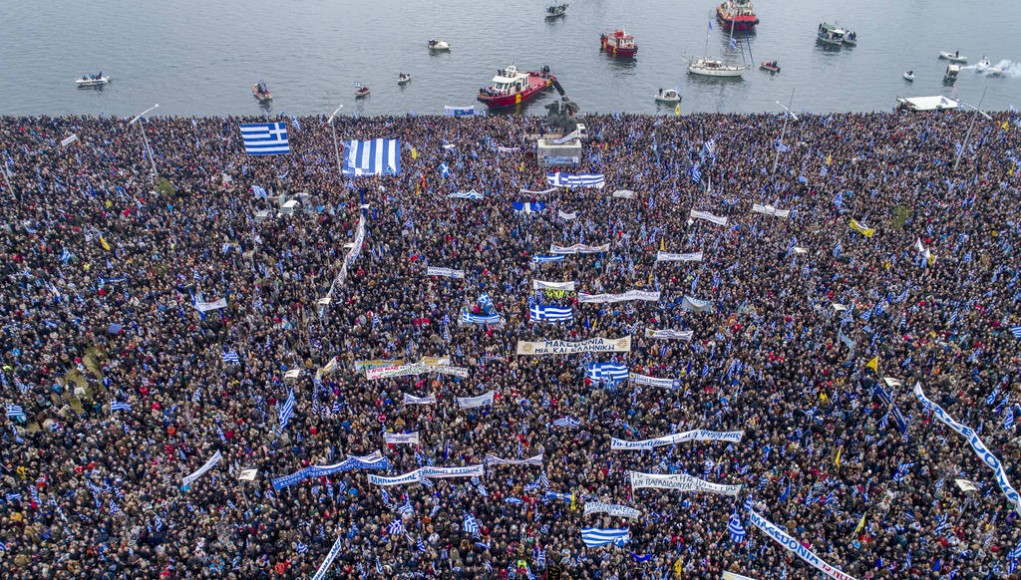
{"type": "Point", "coordinates": [375, 157]}
{"type": "Point", "coordinates": [581, 180]}
{"type": "Point", "coordinates": [608, 372]}
{"type": "Point", "coordinates": [596, 537]}
{"type": "Point", "coordinates": [551, 313]}
{"type": "Point", "coordinates": [265, 138]}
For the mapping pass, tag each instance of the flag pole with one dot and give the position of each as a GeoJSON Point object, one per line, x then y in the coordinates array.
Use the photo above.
{"type": "Point", "coordinates": [145, 140]}
{"type": "Point", "coordinates": [783, 132]}
{"type": "Point", "coordinates": [336, 149]}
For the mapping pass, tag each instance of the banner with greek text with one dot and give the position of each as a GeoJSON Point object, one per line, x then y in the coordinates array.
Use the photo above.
{"type": "Point", "coordinates": [447, 472]}
{"type": "Point", "coordinates": [668, 334]}
{"type": "Point", "coordinates": [770, 210]}
{"type": "Point", "coordinates": [374, 460]}
{"type": "Point", "coordinates": [733, 576]}
{"type": "Point", "coordinates": [680, 482]}
{"type": "Point", "coordinates": [321, 572]}
{"type": "Point", "coordinates": [494, 460]}
{"type": "Point", "coordinates": [980, 449]}
{"type": "Point", "coordinates": [668, 257]}
{"type": "Point", "coordinates": [430, 271]}
{"type": "Point", "coordinates": [693, 435]}
{"type": "Point", "coordinates": [792, 545]}
{"type": "Point", "coordinates": [401, 438]}
{"type": "Point", "coordinates": [550, 347]}
{"type": "Point", "coordinates": [413, 477]}
{"type": "Point", "coordinates": [361, 365]}
{"type": "Point", "coordinates": [540, 285]}
{"type": "Point", "coordinates": [629, 295]}
{"type": "Point", "coordinates": [414, 369]}
{"type": "Point", "coordinates": [695, 305]}
{"type": "Point", "coordinates": [567, 216]}
{"type": "Point", "coordinates": [413, 400]}
{"type": "Point", "coordinates": [202, 470]}
{"type": "Point", "coordinates": [479, 401]}
{"type": "Point", "coordinates": [637, 379]}
{"type": "Point", "coordinates": [620, 511]}
{"type": "Point", "coordinates": [704, 215]}
{"type": "Point", "coordinates": [578, 249]}
{"type": "Point", "coordinates": [207, 306]}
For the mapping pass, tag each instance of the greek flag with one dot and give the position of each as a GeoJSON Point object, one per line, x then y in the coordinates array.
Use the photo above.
{"type": "Point", "coordinates": [545, 259]}
{"type": "Point", "coordinates": [15, 411]}
{"type": "Point", "coordinates": [486, 302]}
{"type": "Point", "coordinates": [12, 497]}
{"type": "Point", "coordinates": [1016, 331]}
{"type": "Point", "coordinates": [1008, 421]}
{"type": "Point", "coordinates": [571, 181]}
{"type": "Point", "coordinates": [375, 157]}
{"type": "Point", "coordinates": [118, 406]}
{"type": "Point", "coordinates": [528, 207]}
{"type": "Point", "coordinates": [470, 525]}
{"type": "Point", "coordinates": [301, 548]}
{"type": "Point", "coordinates": [265, 138]}
{"type": "Point", "coordinates": [396, 528]}
{"type": "Point", "coordinates": [287, 410]}
{"type": "Point", "coordinates": [607, 372]}
{"type": "Point", "coordinates": [259, 192]}
{"type": "Point", "coordinates": [65, 256]}
{"type": "Point", "coordinates": [567, 422]}
{"type": "Point", "coordinates": [596, 537]}
{"type": "Point", "coordinates": [469, 318]}
{"type": "Point", "coordinates": [1015, 553]}
{"type": "Point", "coordinates": [695, 173]}
{"type": "Point", "coordinates": [513, 501]}
{"type": "Point", "coordinates": [229, 356]}
{"type": "Point", "coordinates": [551, 313]}
{"type": "Point", "coordinates": [444, 170]}
{"type": "Point", "coordinates": [735, 528]}
{"type": "Point", "coordinates": [473, 195]}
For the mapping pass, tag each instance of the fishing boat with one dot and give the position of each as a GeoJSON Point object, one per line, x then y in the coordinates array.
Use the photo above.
{"type": "Point", "coordinates": [909, 76]}
{"type": "Point", "coordinates": [711, 67]}
{"type": "Point", "coordinates": [88, 81]}
{"type": "Point", "coordinates": [437, 44]}
{"type": "Point", "coordinates": [950, 75]}
{"type": "Point", "coordinates": [511, 87]}
{"type": "Point", "coordinates": [361, 91]}
{"type": "Point", "coordinates": [261, 92]}
{"type": "Point", "coordinates": [669, 96]}
{"type": "Point", "coordinates": [403, 78]}
{"type": "Point", "coordinates": [618, 43]}
{"type": "Point", "coordinates": [831, 34]}
{"type": "Point", "coordinates": [851, 38]}
{"type": "Point", "coordinates": [737, 14]}
{"type": "Point", "coordinates": [952, 56]}
{"type": "Point", "coordinates": [770, 65]}
{"type": "Point", "coordinates": [556, 10]}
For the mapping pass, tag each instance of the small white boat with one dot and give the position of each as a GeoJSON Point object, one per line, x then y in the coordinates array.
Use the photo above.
{"type": "Point", "coordinates": [831, 34]}
{"type": "Point", "coordinates": [710, 67]}
{"type": "Point", "coordinates": [851, 38]}
{"type": "Point", "coordinates": [909, 76]}
{"type": "Point", "coordinates": [668, 96]}
{"type": "Point", "coordinates": [556, 10]}
{"type": "Point", "coordinates": [403, 78]}
{"type": "Point", "coordinates": [437, 44]}
{"type": "Point", "coordinates": [952, 56]}
{"type": "Point", "coordinates": [983, 64]}
{"type": "Point", "coordinates": [92, 80]}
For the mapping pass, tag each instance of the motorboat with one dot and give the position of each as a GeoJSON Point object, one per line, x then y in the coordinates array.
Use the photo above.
{"type": "Point", "coordinates": [851, 38]}
{"type": "Point", "coordinates": [831, 34]}
{"type": "Point", "coordinates": [737, 15]}
{"type": "Point", "coordinates": [618, 43]}
{"type": "Point", "coordinates": [670, 96]}
{"type": "Point", "coordinates": [994, 71]}
{"type": "Point", "coordinates": [952, 56]}
{"type": "Point", "coordinates": [261, 92]}
{"type": "Point", "coordinates": [950, 75]}
{"type": "Point", "coordinates": [710, 67]}
{"type": "Point", "coordinates": [511, 87]}
{"type": "Point", "coordinates": [361, 91]}
{"type": "Point", "coordinates": [909, 76]}
{"type": "Point", "coordinates": [437, 44]}
{"type": "Point", "coordinates": [770, 65]}
{"type": "Point", "coordinates": [556, 10]}
{"type": "Point", "coordinates": [403, 78]}
{"type": "Point", "coordinates": [96, 80]}
{"type": "Point", "coordinates": [983, 64]}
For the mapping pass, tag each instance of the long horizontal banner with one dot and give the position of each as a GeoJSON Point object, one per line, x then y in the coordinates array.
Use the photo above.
{"type": "Point", "coordinates": [413, 477]}
{"type": "Point", "coordinates": [567, 216]}
{"type": "Point", "coordinates": [621, 511]}
{"type": "Point", "coordinates": [494, 460]}
{"type": "Point", "coordinates": [473, 402]}
{"type": "Point", "coordinates": [414, 369]}
{"type": "Point", "coordinates": [681, 482]}
{"type": "Point", "coordinates": [540, 285]}
{"type": "Point", "coordinates": [625, 297]}
{"type": "Point", "coordinates": [670, 334]}
{"type": "Point", "coordinates": [792, 545]}
{"type": "Point", "coordinates": [704, 215]}
{"type": "Point", "coordinates": [447, 272]}
{"type": "Point", "coordinates": [770, 210]}
{"type": "Point", "coordinates": [695, 305]}
{"type": "Point", "coordinates": [321, 572]}
{"type": "Point", "coordinates": [734, 576]}
{"type": "Point", "coordinates": [188, 479]}
{"type": "Point", "coordinates": [361, 365]}
{"type": "Point", "coordinates": [401, 438]}
{"type": "Point", "coordinates": [430, 472]}
{"type": "Point", "coordinates": [548, 347]}
{"type": "Point", "coordinates": [207, 306]}
{"type": "Point", "coordinates": [980, 449]}
{"type": "Point", "coordinates": [693, 435]}
{"type": "Point", "coordinates": [637, 379]}
{"type": "Point", "coordinates": [578, 249]}
{"type": "Point", "coordinates": [374, 460]}
{"type": "Point", "coordinates": [668, 257]}
{"type": "Point", "coordinates": [413, 400]}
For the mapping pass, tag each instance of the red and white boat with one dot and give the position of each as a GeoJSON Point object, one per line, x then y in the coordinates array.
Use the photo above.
{"type": "Point", "coordinates": [737, 14]}
{"type": "Point", "coordinates": [511, 87]}
{"type": "Point", "coordinates": [618, 43]}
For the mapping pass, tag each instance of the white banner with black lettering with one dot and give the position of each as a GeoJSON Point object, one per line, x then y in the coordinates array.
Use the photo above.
{"type": "Point", "coordinates": [695, 305]}
{"type": "Point", "coordinates": [578, 249]}
{"type": "Point", "coordinates": [188, 479]}
{"type": "Point", "coordinates": [621, 511]}
{"type": "Point", "coordinates": [709, 217]}
{"type": "Point", "coordinates": [637, 379]}
{"type": "Point", "coordinates": [431, 271]}
{"type": "Point", "coordinates": [668, 257]}
{"type": "Point", "coordinates": [401, 438]}
{"type": "Point", "coordinates": [627, 296]}
{"type": "Point", "coordinates": [414, 369]}
{"type": "Point", "coordinates": [568, 216]}
{"type": "Point", "coordinates": [321, 572]}
{"type": "Point", "coordinates": [446, 472]}
{"type": "Point", "coordinates": [680, 482]}
{"type": "Point", "coordinates": [667, 334]}
{"type": "Point", "coordinates": [479, 401]}
{"type": "Point", "coordinates": [540, 285]}
{"type": "Point", "coordinates": [546, 347]}
{"type": "Point", "coordinates": [984, 455]}
{"type": "Point", "coordinates": [735, 576]}
{"type": "Point", "coordinates": [413, 477]}
{"type": "Point", "coordinates": [693, 435]}
{"type": "Point", "coordinates": [770, 210]}
{"type": "Point", "coordinates": [207, 306]}
{"type": "Point", "coordinates": [494, 460]}
{"type": "Point", "coordinates": [792, 545]}
{"type": "Point", "coordinates": [413, 400]}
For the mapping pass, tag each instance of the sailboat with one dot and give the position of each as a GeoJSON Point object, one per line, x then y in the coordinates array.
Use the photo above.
{"type": "Point", "coordinates": [711, 67]}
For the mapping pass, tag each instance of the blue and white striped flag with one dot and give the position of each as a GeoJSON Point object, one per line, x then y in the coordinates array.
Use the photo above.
{"type": "Point", "coordinates": [396, 528]}
{"type": "Point", "coordinates": [229, 356]}
{"type": "Point", "coordinates": [571, 181]}
{"type": "Point", "coordinates": [695, 173]}
{"type": "Point", "coordinates": [607, 372]}
{"type": "Point", "coordinates": [596, 537]}
{"type": "Point", "coordinates": [300, 548]}
{"type": "Point", "coordinates": [469, 318]}
{"type": "Point", "coordinates": [15, 411]}
{"type": "Point", "coordinates": [545, 259]}
{"type": "Point", "coordinates": [265, 138]}
{"type": "Point", "coordinates": [375, 157]}
{"type": "Point", "coordinates": [1016, 331]}
{"type": "Point", "coordinates": [287, 410]}
{"type": "Point", "coordinates": [470, 525]}
{"type": "Point", "coordinates": [118, 406]}
{"type": "Point", "coordinates": [737, 532]}
{"type": "Point", "coordinates": [1015, 554]}
{"type": "Point", "coordinates": [551, 313]}
{"type": "Point", "coordinates": [567, 422]}
{"type": "Point", "coordinates": [486, 303]}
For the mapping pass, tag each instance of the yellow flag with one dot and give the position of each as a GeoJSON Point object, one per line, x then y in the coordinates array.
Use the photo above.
{"type": "Point", "coordinates": [650, 277]}
{"type": "Point", "coordinates": [662, 244]}
{"type": "Point", "coordinates": [867, 232]}
{"type": "Point", "coordinates": [414, 153]}
{"type": "Point", "coordinates": [829, 160]}
{"type": "Point", "coordinates": [1012, 169]}
{"type": "Point", "coordinates": [677, 109]}
{"type": "Point", "coordinates": [678, 567]}
{"type": "Point", "coordinates": [1005, 125]}
{"type": "Point", "coordinates": [522, 167]}
{"type": "Point", "coordinates": [573, 506]}
{"type": "Point", "coordinates": [103, 243]}
{"type": "Point", "coordinates": [873, 364]}
{"type": "Point", "coordinates": [861, 524]}
{"type": "Point", "coordinates": [839, 453]}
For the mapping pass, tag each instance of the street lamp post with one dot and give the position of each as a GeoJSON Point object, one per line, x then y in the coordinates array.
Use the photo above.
{"type": "Point", "coordinates": [967, 136]}
{"type": "Point", "coordinates": [789, 114]}
{"type": "Point", "coordinates": [336, 149]}
{"type": "Point", "coordinates": [145, 140]}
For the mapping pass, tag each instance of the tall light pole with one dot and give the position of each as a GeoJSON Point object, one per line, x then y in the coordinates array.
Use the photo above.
{"type": "Point", "coordinates": [789, 114]}
{"type": "Point", "coordinates": [971, 125]}
{"type": "Point", "coordinates": [145, 140]}
{"type": "Point", "coordinates": [336, 150]}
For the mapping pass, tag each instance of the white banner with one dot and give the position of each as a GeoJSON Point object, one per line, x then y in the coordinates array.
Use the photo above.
{"type": "Point", "coordinates": [693, 435]}
{"type": "Point", "coordinates": [430, 271]}
{"type": "Point", "coordinates": [680, 482]}
{"type": "Point", "coordinates": [494, 460]}
{"type": "Point", "coordinates": [795, 546]}
{"type": "Point", "coordinates": [202, 470]}
{"type": "Point", "coordinates": [540, 285]}
{"type": "Point", "coordinates": [68, 140]}
{"type": "Point", "coordinates": [321, 572]}
{"type": "Point", "coordinates": [567, 216]}
{"type": "Point", "coordinates": [621, 511]}
{"type": "Point", "coordinates": [546, 347]}
{"type": "Point", "coordinates": [629, 295]}
{"type": "Point", "coordinates": [637, 379]}
{"type": "Point", "coordinates": [770, 210]}
{"type": "Point", "coordinates": [669, 334]}
{"type": "Point", "coordinates": [976, 444]}
{"type": "Point", "coordinates": [445, 472]}
{"type": "Point", "coordinates": [543, 192]}
{"type": "Point", "coordinates": [695, 305]}
{"type": "Point", "coordinates": [733, 576]}
{"type": "Point", "coordinates": [248, 474]}
{"type": "Point", "coordinates": [401, 438]}
{"type": "Point", "coordinates": [704, 215]}
{"type": "Point", "coordinates": [479, 401]}
{"type": "Point", "coordinates": [414, 369]}
{"type": "Point", "coordinates": [624, 194]}
{"type": "Point", "coordinates": [413, 400]}
{"type": "Point", "coordinates": [578, 249]}
{"type": "Point", "coordinates": [668, 257]}
{"type": "Point", "coordinates": [413, 477]}
{"type": "Point", "coordinates": [207, 306]}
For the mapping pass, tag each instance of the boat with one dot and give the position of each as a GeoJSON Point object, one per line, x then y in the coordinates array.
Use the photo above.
{"type": "Point", "coordinates": [511, 86]}
{"type": "Point", "coordinates": [950, 75]}
{"type": "Point", "coordinates": [909, 76]}
{"type": "Point", "coordinates": [261, 92]}
{"type": "Point", "coordinates": [403, 78]}
{"type": "Point", "coordinates": [361, 91]}
{"type": "Point", "coordinates": [994, 71]}
{"type": "Point", "coordinates": [96, 80]}
{"type": "Point", "coordinates": [770, 65]}
{"type": "Point", "coordinates": [851, 38]}
{"type": "Point", "coordinates": [983, 64]}
{"type": "Point", "coordinates": [618, 43]}
{"type": "Point", "coordinates": [737, 15]}
{"type": "Point", "coordinates": [952, 56]}
{"type": "Point", "coordinates": [556, 10]}
{"type": "Point", "coordinates": [830, 34]}
{"type": "Point", "coordinates": [671, 96]}
{"type": "Point", "coordinates": [437, 44]}
{"type": "Point", "coordinates": [711, 67]}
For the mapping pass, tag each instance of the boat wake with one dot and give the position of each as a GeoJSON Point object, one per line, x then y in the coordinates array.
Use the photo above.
{"type": "Point", "coordinates": [1006, 68]}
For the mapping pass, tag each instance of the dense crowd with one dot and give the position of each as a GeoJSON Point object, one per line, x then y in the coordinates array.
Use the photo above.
{"type": "Point", "coordinates": [103, 267]}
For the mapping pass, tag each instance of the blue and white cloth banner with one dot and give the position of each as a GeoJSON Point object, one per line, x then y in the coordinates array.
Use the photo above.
{"type": "Point", "coordinates": [413, 400]}
{"type": "Point", "coordinates": [668, 257]}
{"type": "Point", "coordinates": [468, 111]}
{"type": "Point", "coordinates": [446, 272]}
{"type": "Point", "coordinates": [119, 406]}
{"type": "Point", "coordinates": [188, 479]}
{"type": "Point", "coordinates": [578, 249]}
{"type": "Point", "coordinates": [547, 259]}
{"type": "Point", "coordinates": [567, 422]}
{"type": "Point", "coordinates": [469, 318]}
{"type": "Point", "coordinates": [737, 531]}
{"type": "Point", "coordinates": [473, 402]}
{"type": "Point", "coordinates": [625, 297]}
{"type": "Point", "coordinates": [528, 206]}
{"type": "Point", "coordinates": [207, 306]}
{"type": "Point", "coordinates": [607, 372]}
{"type": "Point", "coordinates": [693, 435]}
{"type": "Point", "coordinates": [381, 480]}
{"type": "Point", "coordinates": [980, 449]}
{"type": "Point", "coordinates": [321, 572]}
{"type": "Point", "coordinates": [596, 537]}
{"type": "Point", "coordinates": [710, 217]}
{"type": "Point", "coordinates": [401, 438]}
{"type": "Point", "coordinates": [373, 461]}
{"type": "Point", "coordinates": [265, 138]}
{"type": "Point", "coordinates": [695, 305]}
{"type": "Point", "coordinates": [535, 460]}
{"type": "Point", "coordinates": [637, 379]}
{"type": "Point", "coordinates": [375, 157]}
{"type": "Point", "coordinates": [792, 545]}
{"type": "Point", "coordinates": [542, 285]}
{"type": "Point", "coordinates": [679, 482]}
{"type": "Point", "coordinates": [472, 195]}
{"type": "Point", "coordinates": [478, 470]}
{"type": "Point", "coordinates": [620, 511]}
{"type": "Point", "coordinates": [668, 334]}
{"type": "Point", "coordinates": [551, 313]}
{"type": "Point", "coordinates": [571, 181]}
